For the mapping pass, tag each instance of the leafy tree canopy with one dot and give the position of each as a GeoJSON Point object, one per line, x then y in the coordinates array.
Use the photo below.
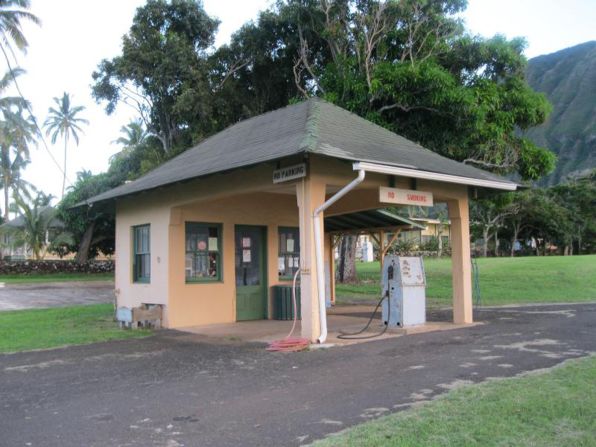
{"type": "Point", "coordinates": [409, 66]}
{"type": "Point", "coordinates": [91, 229]}
{"type": "Point", "coordinates": [163, 71]}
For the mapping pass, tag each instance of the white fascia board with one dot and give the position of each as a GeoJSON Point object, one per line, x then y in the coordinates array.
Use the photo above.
{"type": "Point", "coordinates": [414, 173]}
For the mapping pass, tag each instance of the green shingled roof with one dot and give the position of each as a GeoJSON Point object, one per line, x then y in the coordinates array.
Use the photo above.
{"type": "Point", "coordinates": [313, 126]}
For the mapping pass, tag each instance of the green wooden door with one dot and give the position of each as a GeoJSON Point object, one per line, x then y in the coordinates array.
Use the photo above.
{"type": "Point", "coordinates": [251, 273]}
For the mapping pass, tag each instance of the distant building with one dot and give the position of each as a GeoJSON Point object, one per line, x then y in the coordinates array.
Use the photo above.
{"type": "Point", "coordinates": [12, 246]}
{"type": "Point", "coordinates": [433, 228]}
{"type": "Point", "coordinates": [364, 248]}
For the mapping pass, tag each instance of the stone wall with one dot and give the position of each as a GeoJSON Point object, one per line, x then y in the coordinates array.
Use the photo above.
{"type": "Point", "coordinates": [49, 267]}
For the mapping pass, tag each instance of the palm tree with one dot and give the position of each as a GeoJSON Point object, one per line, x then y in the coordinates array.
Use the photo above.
{"type": "Point", "coordinates": [64, 122]}
{"type": "Point", "coordinates": [37, 216]}
{"type": "Point", "coordinates": [133, 134]}
{"type": "Point", "coordinates": [11, 138]}
{"type": "Point", "coordinates": [16, 135]}
{"type": "Point", "coordinates": [11, 33]}
{"type": "Point", "coordinates": [9, 103]}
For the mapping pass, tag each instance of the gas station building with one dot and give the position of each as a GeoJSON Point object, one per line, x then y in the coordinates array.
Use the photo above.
{"type": "Point", "coordinates": [208, 233]}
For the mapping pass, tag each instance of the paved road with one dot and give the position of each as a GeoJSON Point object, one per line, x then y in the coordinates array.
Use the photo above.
{"type": "Point", "coordinates": [176, 390]}
{"type": "Point", "coordinates": [37, 295]}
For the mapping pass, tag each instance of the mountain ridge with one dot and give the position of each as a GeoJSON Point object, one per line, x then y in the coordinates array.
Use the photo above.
{"type": "Point", "coordinates": [568, 79]}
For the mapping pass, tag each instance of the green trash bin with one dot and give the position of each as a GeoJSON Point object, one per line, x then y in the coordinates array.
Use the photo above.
{"type": "Point", "coordinates": [283, 308]}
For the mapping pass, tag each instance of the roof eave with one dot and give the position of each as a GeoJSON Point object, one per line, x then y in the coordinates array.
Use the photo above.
{"type": "Point", "coordinates": [436, 176]}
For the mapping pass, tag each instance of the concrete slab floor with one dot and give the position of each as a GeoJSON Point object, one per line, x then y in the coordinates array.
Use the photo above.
{"type": "Point", "coordinates": [341, 318]}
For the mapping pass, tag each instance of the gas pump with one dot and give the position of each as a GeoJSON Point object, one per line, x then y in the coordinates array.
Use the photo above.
{"type": "Point", "coordinates": [404, 284]}
{"type": "Point", "coordinates": [403, 287]}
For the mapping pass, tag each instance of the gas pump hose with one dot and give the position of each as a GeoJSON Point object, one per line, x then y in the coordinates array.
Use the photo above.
{"type": "Point", "coordinates": [357, 336]}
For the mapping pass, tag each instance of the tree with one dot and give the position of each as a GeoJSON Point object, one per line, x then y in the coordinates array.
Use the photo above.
{"type": "Point", "coordinates": [16, 134]}
{"type": "Point", "coordinates": [91, 229]}
{"type": "Point", "coordinates": [9, 103]}
{"type": "Point", "coordinates": [141, 152]}
{"type": "Point", "coordinates": [488, 215]}
{"type": "Point", "coordinates": [409, 66]}
{"type": "Point", "coordinates": [64, 121]}
{"type": "Point", "coordinates": [12, 12]}
{"type": "Point", "coordinates": [10, 169]}
{"type": "Point", "coordinates": [517, 220]}
{"type": "Point", "coordinates": [579, 198]}
{"type": "Point", "coordinates": [163, 71]}
{"type": "Point", "coordinates": [346, 270]}
{"type": "Point", "coordinates": [133, 134]}
{"type": "Point", "coordinates": [36, 217]}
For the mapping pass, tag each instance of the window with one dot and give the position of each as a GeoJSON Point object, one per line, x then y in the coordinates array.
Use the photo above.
{"type": "Point", "coordinates": [445, 241]}
{"type": "Point", "coordinates": [203, 252]}
{"type": "Point", "coordinates": [141, 253]}
{"type": "Point", "coordinates": [289, 252]}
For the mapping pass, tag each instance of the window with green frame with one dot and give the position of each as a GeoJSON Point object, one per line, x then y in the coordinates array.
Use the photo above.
{"type": "Point", "coordinates": [289, 252]}
{"type": "Point", "coordinates": [141, 260]}
{"type": "Point", "coordinates": [203, 252]}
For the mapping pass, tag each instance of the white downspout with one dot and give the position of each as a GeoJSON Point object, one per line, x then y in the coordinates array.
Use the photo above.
{"type": "Point", "coordinates": [318, 250]}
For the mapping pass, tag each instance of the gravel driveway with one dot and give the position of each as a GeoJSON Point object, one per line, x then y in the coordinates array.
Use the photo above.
{"type": "Point", "coordinates": [177, 389]}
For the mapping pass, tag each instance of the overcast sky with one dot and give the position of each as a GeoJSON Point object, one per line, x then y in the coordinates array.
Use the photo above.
{"type": "Point", "coordinates": [76, 35]}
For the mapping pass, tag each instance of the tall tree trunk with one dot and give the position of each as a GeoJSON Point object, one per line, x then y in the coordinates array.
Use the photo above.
{"type": "Point", "coordinates": [514, 240]}
{"type": "Point", "coordinates": [85, 244]}
{"type": "Point", "coordinates": [6, 200]}
{"type": "Point", "coordinates": [580, 229]}
{"type": "Point", "coordinates": [346, 271]}
{"type": "Point", "coordinates": [64, 166]}
{"type": "Point", "coordinates": [485, 242]}
{"type": "Point", "coordinates": [579, 244]}
{"type": "Point", "coordinates": [497, 243]}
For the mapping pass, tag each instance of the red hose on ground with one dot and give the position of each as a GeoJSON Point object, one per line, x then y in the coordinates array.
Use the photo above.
{"type": "Point", "coordinates": [289, 344]}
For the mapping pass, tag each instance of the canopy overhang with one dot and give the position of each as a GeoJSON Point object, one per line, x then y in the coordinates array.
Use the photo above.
{"type": "Point", "coordinates": [369, 221]}
{"type": "Point", "coordinates": [427, 175]}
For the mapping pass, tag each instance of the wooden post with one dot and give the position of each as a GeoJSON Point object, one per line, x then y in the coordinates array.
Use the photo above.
{"type": "Point", "coordinates": [390, 243]}
{"type": "Point", "coordinates": [381, 248]}
{"type": "Point", "coordinates": [331, 244]}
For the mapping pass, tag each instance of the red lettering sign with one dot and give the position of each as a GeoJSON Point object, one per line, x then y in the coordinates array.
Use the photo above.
{"type": "Point", "coordinates": [416, 198]}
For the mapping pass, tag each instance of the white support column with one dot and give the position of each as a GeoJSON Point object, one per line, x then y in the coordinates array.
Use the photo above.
{"type": "Point", "coordinates": [461, 262]}
{"type": "Point", "coordinates": [310, 194]}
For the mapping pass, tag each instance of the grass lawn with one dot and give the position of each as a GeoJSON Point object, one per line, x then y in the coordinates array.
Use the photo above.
{"type": "Point", "coordinates": [557, 408]}
{"type": "Point", "coordinates": [502, 280]}
{"type": "Point", "coordinates": [55, 277]}
{"type": "Point", "coordinates": [22, 330]}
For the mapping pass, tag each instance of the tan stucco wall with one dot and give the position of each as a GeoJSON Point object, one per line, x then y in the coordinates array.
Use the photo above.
{"type": "Point", "coordinates": [248, 197]}
{"type": "Point", "coordinates": [131, 294]}
{"type": "Point", "coordinates": [162, 209]}
{"type": "Point", "coordinates": [208, 303]}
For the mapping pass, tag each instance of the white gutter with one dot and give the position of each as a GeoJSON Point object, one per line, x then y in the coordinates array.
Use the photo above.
{"type": "Point", "coordinates": [414, 173]}
{"type": "Point", "coordinates": [318, 250]}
